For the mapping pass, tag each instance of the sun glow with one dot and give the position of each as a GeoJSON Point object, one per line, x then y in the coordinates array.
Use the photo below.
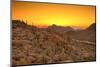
{"type": "Point", "coordinates": [45, 14]}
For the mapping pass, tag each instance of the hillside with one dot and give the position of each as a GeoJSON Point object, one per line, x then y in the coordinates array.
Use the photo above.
{"type": "Point", "coordinates": [92, 27]}
{"type": "Point", "coordinates": [89, 34]}
{"type": "Point", "coordinates": [32, 45]}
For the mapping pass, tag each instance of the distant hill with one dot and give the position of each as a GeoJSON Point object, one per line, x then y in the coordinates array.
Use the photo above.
{"type": "Point", "coordinates": [92, 27]}
{"type": "Point", "coordinates": [60, 28]}
{"type": "Point", "coordinates": [89, 34]}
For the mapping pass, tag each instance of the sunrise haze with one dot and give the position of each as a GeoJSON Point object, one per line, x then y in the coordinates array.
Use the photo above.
{"type": "Point", "coordinates": [46, 14]}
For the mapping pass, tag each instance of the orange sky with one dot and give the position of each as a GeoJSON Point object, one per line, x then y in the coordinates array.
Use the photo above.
{"type": "Point", "coordinates": [44, 14]}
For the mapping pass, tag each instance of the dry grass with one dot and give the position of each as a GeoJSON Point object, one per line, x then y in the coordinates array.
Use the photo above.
{"type": "Point", "coordinates": [32, 45]}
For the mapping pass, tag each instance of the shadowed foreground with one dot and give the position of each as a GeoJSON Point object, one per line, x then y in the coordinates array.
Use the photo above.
{"type": "Point", "coordinates": [32, 45]}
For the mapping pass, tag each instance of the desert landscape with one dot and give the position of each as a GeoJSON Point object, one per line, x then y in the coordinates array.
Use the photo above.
{"type": "Point", "coordinates": [54, 44]}
{"type": "Point", "coordinates": [52, 33]}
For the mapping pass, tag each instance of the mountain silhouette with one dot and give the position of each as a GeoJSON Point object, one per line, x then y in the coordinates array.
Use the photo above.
{"type": "Point", "coordinates": [89, 34]}
{"type": "Point", "coordinates": [60, 28]}
{"type": "Point", "coordinates": [92, 27]}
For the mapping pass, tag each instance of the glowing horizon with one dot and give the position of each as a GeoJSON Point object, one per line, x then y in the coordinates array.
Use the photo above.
{"type": "Point", "coordinates": [46, 14]}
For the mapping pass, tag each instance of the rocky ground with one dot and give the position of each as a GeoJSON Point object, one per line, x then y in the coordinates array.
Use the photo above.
{"type": "Point", "coordinates": [32, 45]}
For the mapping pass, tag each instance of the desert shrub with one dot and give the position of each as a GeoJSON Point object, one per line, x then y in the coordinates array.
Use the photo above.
{"type": "Point", "coordinates": [33, 45]}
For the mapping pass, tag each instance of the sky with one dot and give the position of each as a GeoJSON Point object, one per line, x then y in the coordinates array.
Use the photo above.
{"type": "Point", "coordinates": [46, 14]}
